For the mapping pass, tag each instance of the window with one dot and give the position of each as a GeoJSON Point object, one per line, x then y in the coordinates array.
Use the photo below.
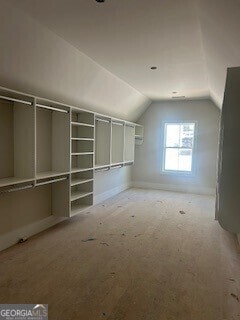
{"type": "Point", "coordinates": [178, 147]}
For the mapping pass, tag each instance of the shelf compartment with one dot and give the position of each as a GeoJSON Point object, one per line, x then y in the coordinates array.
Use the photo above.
{"type": "Point", "coordinates": [79, 195]}
{"type": "Point", "coordinates": [53, 136]}
{"type": "Point", "coordinates": [82, 161]}
{"type": "Point", "coordinates": [102, 141]}
{"type": "Point", "coordinates": [81, 177]}
{"type": "Point", "coordinates": [80, 205]}
{"type": "Point", "coordinates": [83, 118]}
{"type": "Point", "coordinates": [82, 146]}
{"type": "Point", "coordinates": [83, 132]}
{"type": "Point", "coordinates": [81, 190]}
{"type": "Point", "coordinates": [16, 140]}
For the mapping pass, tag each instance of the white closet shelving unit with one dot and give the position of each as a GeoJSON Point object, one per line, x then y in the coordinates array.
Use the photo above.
{"type": "Point", "coordinates": [82, 158]}
{"type": "Point", "coordinates": [54, 150]}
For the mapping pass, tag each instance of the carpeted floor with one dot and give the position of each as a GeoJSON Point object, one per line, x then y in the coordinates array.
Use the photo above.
{"type": "Point", "coordinates": [133, 257]}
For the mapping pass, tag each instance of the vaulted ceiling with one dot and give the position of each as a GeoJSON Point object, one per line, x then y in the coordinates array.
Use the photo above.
{"type": "Point", "coordinates": [191, 42]}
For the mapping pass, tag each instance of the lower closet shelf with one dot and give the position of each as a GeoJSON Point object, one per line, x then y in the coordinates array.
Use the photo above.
{"type": "Point", "coordinates": [78, 208]}
{"type": "Point", "coordinates": [79, 194]}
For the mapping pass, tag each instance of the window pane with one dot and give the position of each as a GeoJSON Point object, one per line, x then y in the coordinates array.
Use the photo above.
{"type": "Point", "coordinates": [171, 159]}
{"type": "Point", "coordinates": [185, 160]}
{"type": "Point", "coordinates": [186, 135]}
{"type": "Point", "coordinates": [172, 135]}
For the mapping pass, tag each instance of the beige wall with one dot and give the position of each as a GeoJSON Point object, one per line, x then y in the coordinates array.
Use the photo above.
{"type": "Point", "coordinates": [37, 61]}
{"type": "Point", "coordinates": [148, 159]}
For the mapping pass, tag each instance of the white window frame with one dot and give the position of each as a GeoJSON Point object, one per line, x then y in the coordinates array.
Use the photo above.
{"type": "Point", "coordinates": [179, 172]}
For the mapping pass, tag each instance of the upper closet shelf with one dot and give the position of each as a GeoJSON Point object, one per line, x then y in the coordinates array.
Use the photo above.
{"type": "Point", "coordinates": [82, 124]}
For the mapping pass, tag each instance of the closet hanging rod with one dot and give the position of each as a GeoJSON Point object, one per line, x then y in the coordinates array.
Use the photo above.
{"type": "Point", "coordinates": [102, 169]}
{"type": "Point", "coordinates": [17, 189]}
{"type": "Point", "coordinates": [51, 108]}
{"type": "Point", "coordinates": [129, 125]}
{"type": "Point", "coordinates": [117, 167]}
{"type": "Point", "coordinates": [102, 120]}
{"type": "Point", "coordinates": [117, 123]}
{"type": "Point", "coordinates": [16, 100]}
{"type": "Point", "coordinates": [51, 181]}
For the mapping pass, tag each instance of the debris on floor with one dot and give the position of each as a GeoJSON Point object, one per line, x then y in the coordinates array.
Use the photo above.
{"type": "Point", "coordinates": [22, 240]}
{"type": "Point", "coordinates": [89, 239]}
{"type": "Point", "coordinates": [138, 235]}
{"type": "Point", "coordinates": [123, 234]}
{"type": "Point", "coordinates": [182, 212]}
{"type": "Point", "coordinates": [104, 243]}
{"type": "Point", "coordinates": [235, 296]}
{"type": "Point", "coordinates": [231, 280]}
{"type": "Point", "coordinates": [132, 216]}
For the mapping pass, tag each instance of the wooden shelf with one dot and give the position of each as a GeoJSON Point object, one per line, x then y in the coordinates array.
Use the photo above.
{"type": "Point", "coordinates": [13, 180]}
{"type": "Point", "coordinates": [77, 181]}
{"type": "Point", "coordinates": [76, 170]}
{"type": "Point", "coordinates": [82, 139]}
{"type": "Point", "coordinates": [49, 174]}
{"type": "Point", "coordinates": [81, 153]}
{"type": "Point", "coordinates": [79, 194]}
{"type": "Point", "coordinates": [82, 124]}
{"type": "Point", "coordinates": [79, 208]}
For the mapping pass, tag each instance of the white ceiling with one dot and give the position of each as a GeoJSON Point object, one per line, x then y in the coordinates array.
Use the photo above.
{"type": "Point", "coordinates": [191, 42]}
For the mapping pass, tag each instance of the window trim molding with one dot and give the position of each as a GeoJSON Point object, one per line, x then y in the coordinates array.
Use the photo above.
{"type": "Point", "coordinates": [191, 173]}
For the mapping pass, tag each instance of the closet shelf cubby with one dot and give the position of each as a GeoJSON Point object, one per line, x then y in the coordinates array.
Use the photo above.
{"type": "Point", "coordinates": [79, 194]}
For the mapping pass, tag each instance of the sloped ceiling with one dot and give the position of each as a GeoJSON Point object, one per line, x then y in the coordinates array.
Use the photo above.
{"type": "Point", "coordinates": [191, 42]}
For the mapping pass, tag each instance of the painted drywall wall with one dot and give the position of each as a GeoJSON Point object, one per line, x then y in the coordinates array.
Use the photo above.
{"type": "Point", "coordinates": [37, 61]}
{"type": "Point", "coordinates": [109, 183]}
{"type": "Point", "coordinates": [147, 171]}
{"type": "Point", "coordinates": [228, 180]}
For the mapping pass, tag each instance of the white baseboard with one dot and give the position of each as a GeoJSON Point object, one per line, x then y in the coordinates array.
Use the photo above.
{"type": "Point", "coordinates": [177, 188]}
{"type": "Point", "coordinates": [11, 238]}
{"type": "Point", "coordinates": [110, 193]}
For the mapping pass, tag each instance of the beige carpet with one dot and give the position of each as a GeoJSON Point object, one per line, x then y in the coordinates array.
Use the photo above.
{"type": "Point", "coordinates": [145, 261]}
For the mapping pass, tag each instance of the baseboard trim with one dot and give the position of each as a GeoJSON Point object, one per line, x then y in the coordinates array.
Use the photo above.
{"type": "Point", "coordinates": [177, 188]}
{"type": "Point", "coordinates": [110, 193]}
{"type": "Point", "coordinates": [9, 239]}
